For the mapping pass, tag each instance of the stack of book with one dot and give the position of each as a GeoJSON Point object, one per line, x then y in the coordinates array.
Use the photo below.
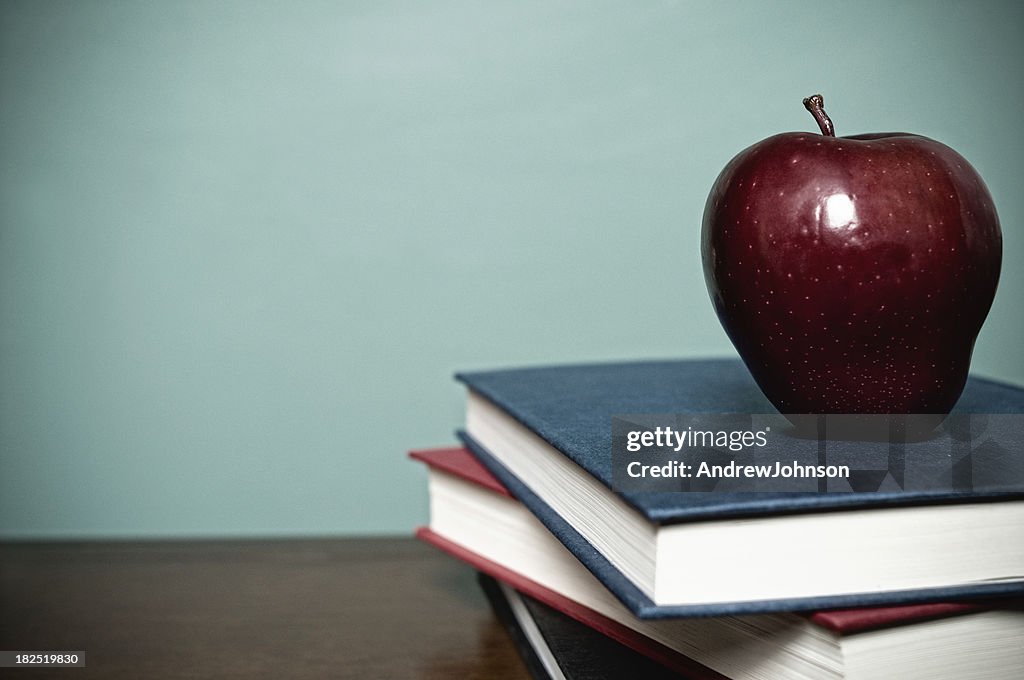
{"type": "Point", "coordinates": [596, 582]}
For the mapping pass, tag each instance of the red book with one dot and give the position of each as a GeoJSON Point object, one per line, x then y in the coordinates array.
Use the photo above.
{"type": "Point", "coordinates": [475, 519]}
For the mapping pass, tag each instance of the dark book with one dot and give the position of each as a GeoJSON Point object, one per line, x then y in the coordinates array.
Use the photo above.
{"type": "Point", "coordinates": [545, 433]}
{"type": "Point", "coordinates": [556, 647]}
{"type": "Point", "coordinates": [478, 521]}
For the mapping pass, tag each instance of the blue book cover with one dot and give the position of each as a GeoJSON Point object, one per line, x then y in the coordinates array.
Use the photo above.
{"type": "Point", "coordinates": [571, 407]}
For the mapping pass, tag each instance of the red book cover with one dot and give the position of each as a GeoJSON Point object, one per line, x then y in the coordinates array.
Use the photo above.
{"type": "Point", "coordinates": [461, 463]}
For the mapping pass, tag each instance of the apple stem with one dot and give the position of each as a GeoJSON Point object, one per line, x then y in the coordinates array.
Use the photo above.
{"type": "Point", "coordinates": [816, 105]}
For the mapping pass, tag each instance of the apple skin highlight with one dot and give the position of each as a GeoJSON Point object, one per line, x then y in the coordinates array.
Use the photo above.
{"type": "Point", "coordinates": [852, 274]}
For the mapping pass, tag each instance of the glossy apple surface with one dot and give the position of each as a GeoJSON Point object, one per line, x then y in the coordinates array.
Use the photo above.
{"type": "Point", "coordinates": [852, 273]}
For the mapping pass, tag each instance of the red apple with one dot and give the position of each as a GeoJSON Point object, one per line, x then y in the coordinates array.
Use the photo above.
{"type": "Point", "coordinates": [852, 273]}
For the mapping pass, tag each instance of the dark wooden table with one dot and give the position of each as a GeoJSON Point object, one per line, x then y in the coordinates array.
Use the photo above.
{"type": "Point", "coordinates": [344, 608]}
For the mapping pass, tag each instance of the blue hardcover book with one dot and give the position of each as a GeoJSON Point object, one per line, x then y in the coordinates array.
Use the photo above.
{"type": "Point", "coordinates": [546, 433]}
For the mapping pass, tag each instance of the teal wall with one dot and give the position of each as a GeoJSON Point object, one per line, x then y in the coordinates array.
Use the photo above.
{"type": "Point", "coordinates": [245, 244]}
